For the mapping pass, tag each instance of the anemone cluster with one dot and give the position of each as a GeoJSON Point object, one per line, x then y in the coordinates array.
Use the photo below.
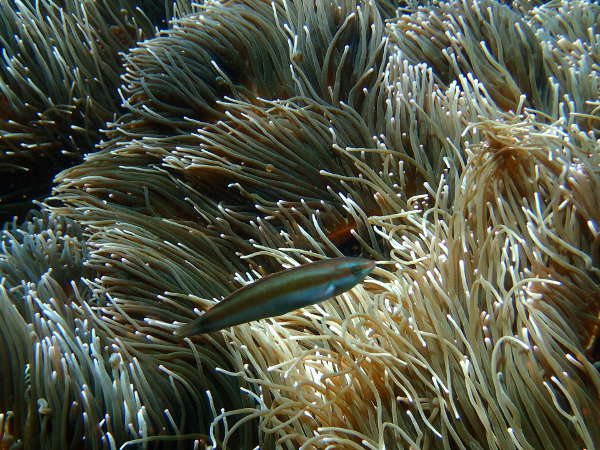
{"type": "Point", "coordinates": [456, 143]}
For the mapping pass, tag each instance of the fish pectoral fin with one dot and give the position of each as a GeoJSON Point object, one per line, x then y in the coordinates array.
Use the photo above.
{"type": "Point", "coordinates": [330, 291]}
{"type": "Point", "coordinates": [316, 296]}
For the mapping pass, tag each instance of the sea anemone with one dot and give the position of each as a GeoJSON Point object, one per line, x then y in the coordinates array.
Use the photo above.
{"type": "Point", "coordinates": [60, 69]}
{"type": "Point", "coordinates": [260, 135]}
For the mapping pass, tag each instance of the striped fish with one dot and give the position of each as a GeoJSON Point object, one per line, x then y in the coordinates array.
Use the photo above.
{"type": "Point", "coordinates": [282, 292]}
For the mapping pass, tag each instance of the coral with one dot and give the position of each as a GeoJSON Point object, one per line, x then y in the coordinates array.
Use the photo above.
{"type": "Point", "coordinates": [456, 143]}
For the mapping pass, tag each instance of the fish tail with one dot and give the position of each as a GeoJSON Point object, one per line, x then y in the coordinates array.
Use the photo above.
{"type": "Point", "coordinates": [197, 326]}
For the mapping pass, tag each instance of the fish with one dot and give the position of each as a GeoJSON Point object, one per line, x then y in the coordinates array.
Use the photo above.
{"type": "Point", "coordinates": [282, 292]}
